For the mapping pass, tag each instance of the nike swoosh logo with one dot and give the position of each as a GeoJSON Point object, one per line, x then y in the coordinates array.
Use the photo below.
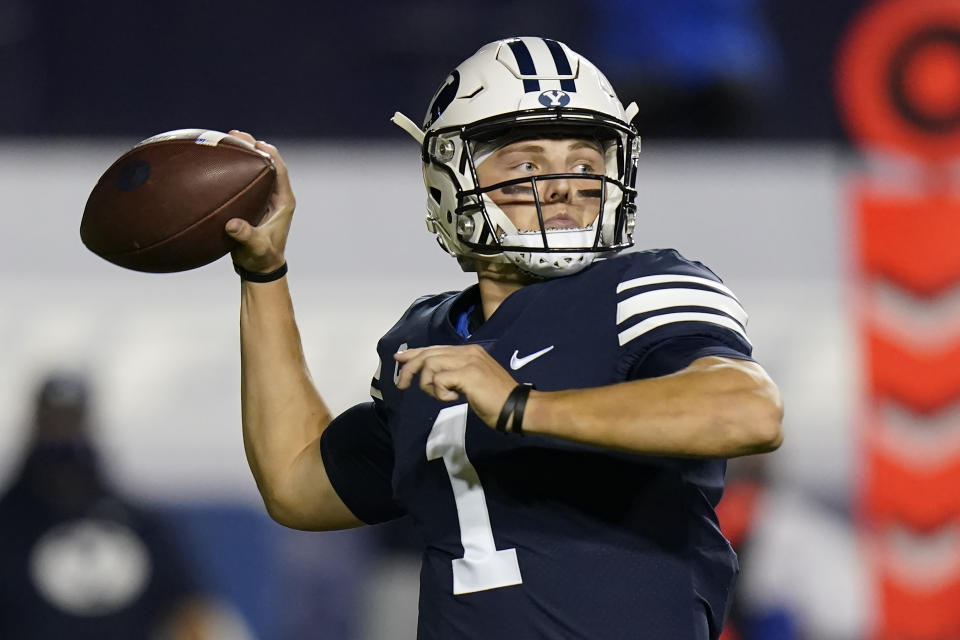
{"type": "Point", "coordinates": [516, 363]}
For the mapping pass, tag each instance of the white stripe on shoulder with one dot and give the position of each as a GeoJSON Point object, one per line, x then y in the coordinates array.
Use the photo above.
{"type": "Point", "coordinates": [669, 277]}
{"type": "Point", "coordinates": [652, 323]}
{"type": "Point", "coordinates": [666, 298]}
{"type": "Point", "coordinates": [376, 375]}
{"type": "Point", "coordinates": [375, 393]}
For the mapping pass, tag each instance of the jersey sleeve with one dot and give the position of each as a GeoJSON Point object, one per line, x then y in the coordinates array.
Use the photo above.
{"type": "Point", "coordinates": [357, 453]}
{"type": "Point", "coordinates": [672, 311]}
{"type": "Point", "coordinates": [357, 447]}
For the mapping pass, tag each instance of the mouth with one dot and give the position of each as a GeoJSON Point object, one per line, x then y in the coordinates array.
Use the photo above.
{"type": "Point", "coordinates": [560, 221]}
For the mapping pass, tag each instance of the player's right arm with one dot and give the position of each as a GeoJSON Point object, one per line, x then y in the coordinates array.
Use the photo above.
{"type": "Point", "coordinates": [283, 414]}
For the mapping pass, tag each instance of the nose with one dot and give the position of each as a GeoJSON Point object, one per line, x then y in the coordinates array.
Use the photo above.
{"type": "Point", "coordinates": [556, 190]}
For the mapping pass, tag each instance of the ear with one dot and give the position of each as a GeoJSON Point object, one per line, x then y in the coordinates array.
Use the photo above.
{"type": "Point", "coordinates": [409, 126]}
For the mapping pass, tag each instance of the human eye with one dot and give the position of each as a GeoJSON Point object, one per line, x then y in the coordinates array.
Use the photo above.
{"type": "Point", "coordinates": [583, 167]}
{"type": "Point", "coordinates": [526, 165]}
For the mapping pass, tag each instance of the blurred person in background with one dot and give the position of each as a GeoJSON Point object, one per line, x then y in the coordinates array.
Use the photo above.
{"type": "Point", "coordinates": [805, 575]}
{"type": "Point", "coordinates": [739, 512]}
{"type": "Point", "coordinates": [699, 68]}
{"type": "Point", "coordinates": [78, 560]}
{"type": "Point", "coordinates": [593, 517]}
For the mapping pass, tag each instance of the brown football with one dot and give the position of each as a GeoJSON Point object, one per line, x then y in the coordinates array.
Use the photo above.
{"type": "Point", "coordinates": [163, 204]}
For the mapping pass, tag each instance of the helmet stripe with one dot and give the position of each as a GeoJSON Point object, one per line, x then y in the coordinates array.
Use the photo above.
{"type": "Point", "coordinates": [563, 65]}
{"type": "Point", "coordinates": [525, 65]}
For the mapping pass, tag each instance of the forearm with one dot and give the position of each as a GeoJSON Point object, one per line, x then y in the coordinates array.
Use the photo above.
{"type": "Point", "coordinates": [283, 414]}
{"type": "Point", "coordinates": [713, 408]}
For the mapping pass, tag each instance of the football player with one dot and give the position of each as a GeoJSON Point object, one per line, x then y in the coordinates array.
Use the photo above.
{"type": "Point", "coordinates": [557, 432]}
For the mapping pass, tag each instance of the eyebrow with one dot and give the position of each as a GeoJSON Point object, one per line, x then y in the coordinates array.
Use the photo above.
{"type": "Point", "coordinates": [536, 148]}
{"type": "Point", "coordinates": [580, 144]}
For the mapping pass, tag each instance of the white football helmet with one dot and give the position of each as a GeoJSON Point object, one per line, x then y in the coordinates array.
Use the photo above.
{"type": "Point", "coordinates": [513, 89]}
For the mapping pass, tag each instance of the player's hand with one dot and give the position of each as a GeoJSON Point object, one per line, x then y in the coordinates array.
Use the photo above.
{"type": "Point", "coordinates": [447, 372]}
{"type": "Point", "coordinates": [261, 248]}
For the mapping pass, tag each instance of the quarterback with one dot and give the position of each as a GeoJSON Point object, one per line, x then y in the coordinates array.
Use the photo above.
{"type": "Point", "coordinates": [557, 432]}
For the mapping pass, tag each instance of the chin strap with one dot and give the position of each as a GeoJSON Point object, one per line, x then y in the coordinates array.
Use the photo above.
{"type": "Point", "coordinates": [409, 126]}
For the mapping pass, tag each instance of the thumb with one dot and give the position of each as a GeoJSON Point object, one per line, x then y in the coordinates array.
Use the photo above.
{"type": "Point", "coordinates": [238, 229]}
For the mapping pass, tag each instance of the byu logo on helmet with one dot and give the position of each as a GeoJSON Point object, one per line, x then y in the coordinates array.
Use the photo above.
{"type": "Point", "coordinates": [554, 98]}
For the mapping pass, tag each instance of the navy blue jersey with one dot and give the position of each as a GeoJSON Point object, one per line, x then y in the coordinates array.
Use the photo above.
{"type": "Point", "coordinates": [531, 536]}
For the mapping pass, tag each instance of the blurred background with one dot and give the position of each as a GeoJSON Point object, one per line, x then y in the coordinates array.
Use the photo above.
{"type": "Point", "coordinates": [806, 151]}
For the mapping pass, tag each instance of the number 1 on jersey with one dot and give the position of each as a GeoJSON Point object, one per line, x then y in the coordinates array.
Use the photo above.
{"type": "Point", "coordinates": [482, 566]}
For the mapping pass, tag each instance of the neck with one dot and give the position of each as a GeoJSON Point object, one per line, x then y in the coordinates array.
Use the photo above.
{"type": "Point", "coordinates": [496, 282]}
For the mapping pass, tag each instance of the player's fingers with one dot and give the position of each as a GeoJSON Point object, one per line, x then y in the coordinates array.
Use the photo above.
{"type": "Point", "coordinates": [409, 354]}
{"type": "Point", "coordinates": [266, 147]}
{"type": "Point", "coordinates": [426, 379]}
{"type": "Point", "coordinates": [283, 192]}
{"type": "Point", "coordinates": [409, 369]}
{"type": "Point", "coordinates": [433, 365]}
{"type": "Point", "coordinates": [445, 385]}
{"type": "Point", "coordinates": [243, 135]}
{"type": "Point", "coordinates": [274, 153]}
{"type": "Point", "coordinates": [418, 365]}
{"type": "Point", "coordinates": [278, 163]}
{"type": "Point", "coordinates": [427, 362]}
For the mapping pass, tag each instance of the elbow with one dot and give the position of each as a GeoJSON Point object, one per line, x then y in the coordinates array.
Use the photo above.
{"type": "Point", "coordinates": [291, 517]}
{"type": "Point", "coordinates": [755, 418]}
{"type": "Point", "coordinates": [278, 510]}
{"type": "Point", "coordinates": [282, 508]}
{"type": "Point", "coordinates": [317, 512]}
{"type": "Point", "coordinates": [764, 432]}
{"type": "Point", "coordinates": [768, 431]}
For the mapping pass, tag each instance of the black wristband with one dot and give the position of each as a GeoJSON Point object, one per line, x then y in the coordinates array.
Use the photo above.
{"type": "Point", "coordinates": [253, 276]}
{"type": "Point", "coordinates": [514, 406]}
